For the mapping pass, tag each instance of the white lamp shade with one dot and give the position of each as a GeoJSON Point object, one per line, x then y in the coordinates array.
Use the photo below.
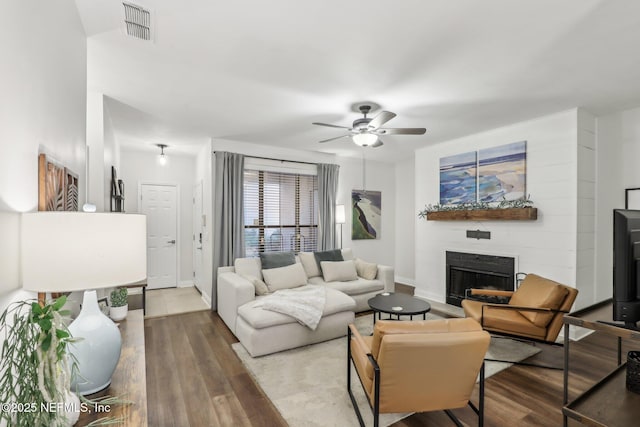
{"type": "Point", "coordinates": [70, 251]}
{"type": "Point", "coordinates": [340, 214]}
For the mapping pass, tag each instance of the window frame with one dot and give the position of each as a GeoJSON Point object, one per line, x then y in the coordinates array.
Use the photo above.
{"type": "Point", "coordinates": [297, 225]}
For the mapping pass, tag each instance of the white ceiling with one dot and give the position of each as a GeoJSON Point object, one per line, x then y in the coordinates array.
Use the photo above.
{"type": "Point", "coordinates": [261, 72]}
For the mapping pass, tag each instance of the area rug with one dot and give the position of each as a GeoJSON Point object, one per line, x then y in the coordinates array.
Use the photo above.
{"type": "Point", "coordinates": [308, 384]}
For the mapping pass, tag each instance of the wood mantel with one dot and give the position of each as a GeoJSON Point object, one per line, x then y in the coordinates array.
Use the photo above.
{"type": "Point", "coordinates": [509, 214]}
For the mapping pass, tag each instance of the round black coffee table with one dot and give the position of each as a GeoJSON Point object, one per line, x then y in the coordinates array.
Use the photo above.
{"type": "Point", "coordinates": [398, 304]}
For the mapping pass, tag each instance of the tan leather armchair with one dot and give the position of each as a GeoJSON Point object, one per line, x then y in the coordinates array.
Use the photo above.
{"type": "Point", "coordinates": [419, 366]}
{"type": "Point", "coordinates": [534, 311]}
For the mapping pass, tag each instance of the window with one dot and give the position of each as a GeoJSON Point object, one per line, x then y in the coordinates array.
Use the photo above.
{"type": "Point", "coordinates": [279, 211]}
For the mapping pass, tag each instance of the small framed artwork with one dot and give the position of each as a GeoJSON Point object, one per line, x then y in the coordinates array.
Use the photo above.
{"type": "Point", "coordinates": [632, 198]}
{"type": "Point", "coordinates": [103, 303]}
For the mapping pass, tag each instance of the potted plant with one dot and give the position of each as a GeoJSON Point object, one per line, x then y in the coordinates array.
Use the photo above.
{"type": "Point", "coordinates": [119, 304]}
{"type": "Point", "coordinates": [35, 382]}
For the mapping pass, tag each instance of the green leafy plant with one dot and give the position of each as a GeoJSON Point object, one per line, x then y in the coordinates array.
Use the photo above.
{"type": "Point", "coordinates": [34, 363]}
{"type": "Point", "coordinates": [34, 367]}
{"type": "Point", "coordinates": [119, 297]}
{"type": "Point", "coordinates": [524, 202]}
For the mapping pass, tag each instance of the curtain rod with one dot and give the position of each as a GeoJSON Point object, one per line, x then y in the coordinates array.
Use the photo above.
{"type": "Point", "coordinates": [277, 160]}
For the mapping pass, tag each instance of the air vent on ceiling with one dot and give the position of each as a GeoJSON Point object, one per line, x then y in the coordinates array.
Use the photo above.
{"type": "Point", "coordinates": [137, 21]}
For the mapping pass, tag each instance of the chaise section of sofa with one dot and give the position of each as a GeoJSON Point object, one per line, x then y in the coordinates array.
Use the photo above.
{"type": "Point", "coordinates": [262, 331]}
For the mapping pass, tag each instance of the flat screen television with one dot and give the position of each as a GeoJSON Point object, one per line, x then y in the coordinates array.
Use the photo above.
{"type": "Point", "coordinates": [626, 267]}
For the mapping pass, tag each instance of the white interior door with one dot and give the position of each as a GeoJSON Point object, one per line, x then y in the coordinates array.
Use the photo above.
{"type": "Point", "coordinates": [159, 204]}
{"type": "Point", "coordinates": [197, 236]}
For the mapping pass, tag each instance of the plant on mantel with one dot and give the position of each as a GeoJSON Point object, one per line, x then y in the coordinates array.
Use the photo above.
{"type": "Point", "coordinates": [481, 210]}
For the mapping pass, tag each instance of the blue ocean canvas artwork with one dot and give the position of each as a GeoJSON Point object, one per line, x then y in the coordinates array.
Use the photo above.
{"type": "Point", "coordinates": [502, 172]}
{"type": "Point", "coordinates": [458, 179]}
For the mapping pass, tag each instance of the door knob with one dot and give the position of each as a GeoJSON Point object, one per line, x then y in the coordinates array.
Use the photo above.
{"type": "Point", "coordinates": [173, 242]}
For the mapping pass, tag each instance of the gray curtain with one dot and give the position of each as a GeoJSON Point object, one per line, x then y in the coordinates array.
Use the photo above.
{"type": "Point", "coordinates": [327, 189]}
{"type": "Point", "coordinates": [228, 213]}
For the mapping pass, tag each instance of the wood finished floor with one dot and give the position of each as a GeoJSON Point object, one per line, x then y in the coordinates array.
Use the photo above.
{"type": "Point", "coordinates": [195, 379]}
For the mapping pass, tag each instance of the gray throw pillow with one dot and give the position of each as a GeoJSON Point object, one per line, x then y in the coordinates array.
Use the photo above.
{"type": "Point", "coordinates": [332, 255]}
{"type": "Point", "coordinates": [276, 259]}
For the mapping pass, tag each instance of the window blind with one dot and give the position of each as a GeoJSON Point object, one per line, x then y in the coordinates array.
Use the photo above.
{"type": "Point", "coordinates": [280, 211]}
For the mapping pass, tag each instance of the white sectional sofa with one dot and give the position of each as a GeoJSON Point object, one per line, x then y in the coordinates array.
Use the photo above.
{"type": "Point", "coordinates": [262, 331]}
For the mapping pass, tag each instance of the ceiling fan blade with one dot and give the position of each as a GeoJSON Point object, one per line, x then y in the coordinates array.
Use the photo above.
{"type": "Point", "coordinates": [401, 131]}
{"type": "Point", "coordinates": [381, 119]}
{"type": "Point", "coordinates": [331, 139]}
{"type": "Point", "coordinates": [331, 126]}
{"type": "Point", "coordinates": [378, 144]}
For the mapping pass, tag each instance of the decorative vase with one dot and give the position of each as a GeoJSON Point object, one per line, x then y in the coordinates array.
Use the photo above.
{"type": "Point", "coordinates": [98, 351]}
{"type": "Point", "coordinates": [118, 313]}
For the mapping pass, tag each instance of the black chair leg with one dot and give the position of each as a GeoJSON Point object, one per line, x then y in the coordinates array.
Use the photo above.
{"type": "Point", "coordinates": [453, 418]}
{"type": "Point", "coordinates": [351, 396]}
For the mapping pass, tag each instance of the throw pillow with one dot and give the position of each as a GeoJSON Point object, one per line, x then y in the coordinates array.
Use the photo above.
{"type": "Point", "coordinates": [339, 271]}
{"type": "Point", "coordinates": [309, 263]}
{"type": "Point", "coordinates": [332, 255]}
{"type": "Point", "coordinates": [290, 276]}
{"type": "Point", "coordinates": [276, 259]}
{"type": "Point", "coordinates": [366, 270]}
{"type": "Point", "coordinates": [260, 287]}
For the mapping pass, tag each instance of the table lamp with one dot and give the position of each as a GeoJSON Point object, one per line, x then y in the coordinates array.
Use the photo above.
{"type": "Point", "coordinates": [73, 251]}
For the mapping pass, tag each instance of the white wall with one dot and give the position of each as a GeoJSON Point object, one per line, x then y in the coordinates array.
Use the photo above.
{"type": "Point", "coordinates": [618, 151]}
{"type": "Point", "coordinates": [138, 167]}
{"type": "Point", "coordinates": [586, 210]}
{"type": "Point", "coordinates": [111, 156]}
{"type": "Point", "coordinates": [406, 213]}
{"type": "Point", "coordinates": [203, 174]}
{"type": "Point", "coordinates": [546, 246]}
{"type": "Point", "coordinates": [42, 109]}
{"type": "Point", "coordinates": [379, 177]}
{"type": "Point", "coordinates": [95, 143]}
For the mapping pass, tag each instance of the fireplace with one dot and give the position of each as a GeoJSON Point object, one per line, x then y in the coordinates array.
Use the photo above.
{"type": "Point", "coordinates": [465, 271]}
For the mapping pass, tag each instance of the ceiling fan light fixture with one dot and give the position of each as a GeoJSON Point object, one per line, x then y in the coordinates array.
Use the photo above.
{"type": "Point", "coordinates": [364, 139]}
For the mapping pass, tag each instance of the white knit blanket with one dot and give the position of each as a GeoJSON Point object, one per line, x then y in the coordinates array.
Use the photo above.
{"type": "Point", "coordinates": [305, 304]}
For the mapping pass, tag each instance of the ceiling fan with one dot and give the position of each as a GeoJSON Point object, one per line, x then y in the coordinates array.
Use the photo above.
{"type": "Point", "coordinates": [366, 131]}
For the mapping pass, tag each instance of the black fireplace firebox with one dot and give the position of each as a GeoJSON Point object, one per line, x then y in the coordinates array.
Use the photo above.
{"type": "Point", "coordinates": [466, 271]}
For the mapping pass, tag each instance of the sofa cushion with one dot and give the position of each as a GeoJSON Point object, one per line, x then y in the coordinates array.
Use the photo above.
{"type": "Point", "coordinates": [259, 318]}
{"type": "Point", "coordinates": [338, 271]}
{"type": "Point", "coordinates": [310, 264]}
{"type": "Point", "coordinates": [352, 287]}
{"type": "Point", "coordinates": [271, 260]}
{"type": "Point", "coordinates": [366, 270]}
{"type": "Point", "coordinates": [248, 267]}
{"type": "Point", "coordinates": [347, 254]}
{"type": "Point", "coordinates": [536, 291]}
{"type": "Point", "coordinates": [290, 276]}
{"type": "Point", "coordinates": [332, 255]}
{"type": "Point", "coordinates": [259, 286]}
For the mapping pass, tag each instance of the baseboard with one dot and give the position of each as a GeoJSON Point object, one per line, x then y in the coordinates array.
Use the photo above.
{"type": "Point", "coordinates": [207, 299]}
{"type": "Point", "coordinates": [427, 295]}
{"type": "Point", "coordinates": [405, 281]}
{"type": "Point", "coordinates": [185, 283]}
